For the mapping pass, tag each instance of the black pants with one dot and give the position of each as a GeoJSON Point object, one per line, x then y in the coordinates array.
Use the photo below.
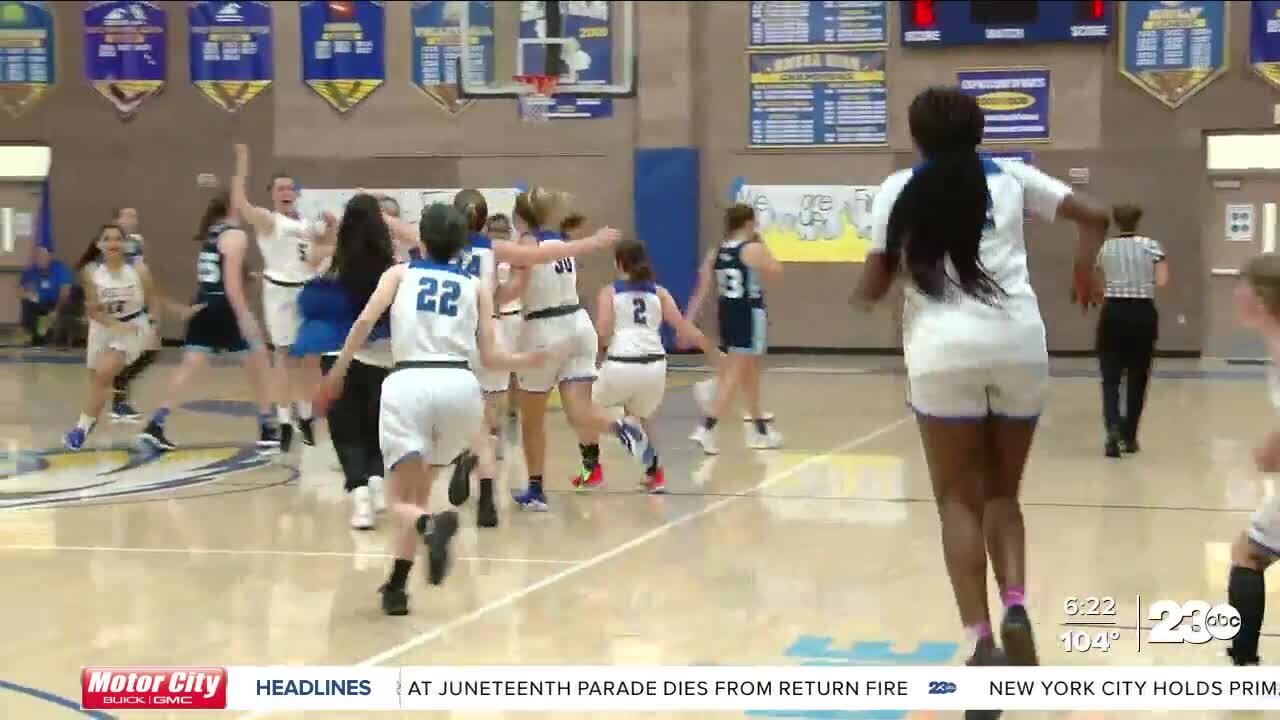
{"type": "Point", "coordinates": [1126, 343]}
{"type": "Point", "coordinates": [31, 314]}
{"type": "Point", "coordinates": [353, 422]}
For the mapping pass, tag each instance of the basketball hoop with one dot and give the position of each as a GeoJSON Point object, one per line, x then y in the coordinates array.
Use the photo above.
{"type": "Point", "coordinates": [536, 96]}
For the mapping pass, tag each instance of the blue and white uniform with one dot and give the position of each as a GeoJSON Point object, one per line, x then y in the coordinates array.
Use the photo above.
{"type": "Point", "coordinates": [120, 295]}
{"type": "Point", "coordinates": [634, 374]}
{"type": "Point", "coordinates": [743, 321]}
{"type": "Point", "coordinates": [1264, 526]}
{"type": "Point", "coordinates": [478, 261]}
{"type": "Point", "coordinates": [431, 402]}
{"type": "Point", "coordinates": [554, 317]}
{"type": "Point", "coordinates": [966, 359]}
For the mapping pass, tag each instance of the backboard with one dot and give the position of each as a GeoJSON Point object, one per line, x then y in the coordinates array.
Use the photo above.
{"type": "Point", "coordinates": [589, 45]}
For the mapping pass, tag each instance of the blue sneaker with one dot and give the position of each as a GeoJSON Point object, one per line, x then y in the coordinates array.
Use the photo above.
{"type": "Point", "coordinates": [531, 499]}
{"type": "Point", "coordinates": [632, 437]}
{"type": "Point", "coordinates": [74, 440]}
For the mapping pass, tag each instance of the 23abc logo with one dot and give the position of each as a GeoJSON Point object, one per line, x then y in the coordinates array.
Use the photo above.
{"type": "Point", "coordinates": [941, 687]}
{"type": "Point", "coordinates": [1194, 623]}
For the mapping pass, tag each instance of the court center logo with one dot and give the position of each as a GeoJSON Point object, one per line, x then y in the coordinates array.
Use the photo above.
{"type": "Point", "coordinates": [60, 477]}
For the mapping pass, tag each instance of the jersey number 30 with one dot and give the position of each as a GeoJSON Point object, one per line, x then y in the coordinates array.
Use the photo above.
{"type": "Point", "coordinates": [432, 300]}
{"type": "Point", "coordinates": [729, 281]}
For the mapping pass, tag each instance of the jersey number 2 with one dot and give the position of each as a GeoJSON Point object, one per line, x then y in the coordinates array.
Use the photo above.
{"type": "Point", "coordinates": [729, 281]}
{"type": "Point", "coordinates": [641, 317]}
{"type": "Point", "coordinates": [431, 300]}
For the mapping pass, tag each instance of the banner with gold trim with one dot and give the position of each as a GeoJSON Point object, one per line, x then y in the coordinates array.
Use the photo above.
{"type": "Point", "coordinates": [124, 52]}
{"type": "Point", "coordinates": [26, 55]}
{"type": "Point", "coordinates": [437, 37]}
{"type": "Point", "coordinates": [343, 49]}
{"type": "Point", "coordinates": [1173, 49]}
{"type": "Point", "coordinates": [230, 50]}
{"type": "Point", "coordinates": [1264, 40]}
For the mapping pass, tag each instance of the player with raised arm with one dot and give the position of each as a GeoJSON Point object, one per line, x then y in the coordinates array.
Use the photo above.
{"type": "Point", "coordinates": [287, 243]}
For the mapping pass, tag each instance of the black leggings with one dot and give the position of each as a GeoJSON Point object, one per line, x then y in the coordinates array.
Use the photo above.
{"type": "Point", "coordinates": [1126, 344]}
{"type": "Point", "coordinates": [353, 422]}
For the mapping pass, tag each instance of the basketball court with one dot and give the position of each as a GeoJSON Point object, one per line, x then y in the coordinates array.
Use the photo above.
{"type": "Point", "coordinates": [824, 552]}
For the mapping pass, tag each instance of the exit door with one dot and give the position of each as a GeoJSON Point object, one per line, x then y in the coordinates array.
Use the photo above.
{"type": "Point", "coordinates": [1240, 223]}
{"type": "Point", "coordinates": [19, 220]}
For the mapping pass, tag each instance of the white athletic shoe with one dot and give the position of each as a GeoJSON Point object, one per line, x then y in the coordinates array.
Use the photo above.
{"type": "Point", "coordinates": [362, 509]}
{"type": "Point", "coordinates": [377, 496]}
{"type": "Point", "coordinates": [704, 393]}
{"type": "Point", "coordinates": [770, 440]}
{"type": "Point", "coordinates": [706, 438]}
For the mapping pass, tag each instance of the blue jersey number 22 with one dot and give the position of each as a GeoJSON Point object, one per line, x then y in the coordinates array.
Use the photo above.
{"type": "Point", "coordinates": [431, 300]}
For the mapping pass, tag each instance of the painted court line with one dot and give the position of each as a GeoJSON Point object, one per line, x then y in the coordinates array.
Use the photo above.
{"type": "Point", "coordinates": [250, 551]}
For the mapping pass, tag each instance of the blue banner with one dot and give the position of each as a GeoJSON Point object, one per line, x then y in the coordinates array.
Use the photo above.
{"type": "Point", "coordinates": [436, 38]}
{"type": "Point", "coordinates": [230, 50]}
{"type": "Point", "coordinates": [343, 50]}
{"type": "Point", "coordinates": [818, 99]}
{"type": "Point", "coordinates": [586, 54]}
{"type": "Point", "coordinates": [124, 52]}
{"type": "Point", "coordinates": [26, 55]}
{"type": "Point", "coordinates": [1173, 49]}
{"type": "Point", "coordinates": [818, 22]}
{"type": "Point", "coordinates": [1014, 102]}
{"type": "Point", "coordinates": [1264, 40]}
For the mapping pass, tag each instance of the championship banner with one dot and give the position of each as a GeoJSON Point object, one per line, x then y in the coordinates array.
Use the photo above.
{"type": "Point", "coordinates": [343, 49]}
{"type": "Point", "coordinates": [124, 52]}
{"type": "Point", "coordinates": [849, 23]}
{"type": "Point", "coordinates": [1173, 49]}
{"type": "Point", "coordinates": [587, 51]}
{"type": "Point", "coordinates": [1264, 40]}
{"type": "Point", "coordinates": [818, 99]}
{"type": "Point", "coordinates": [26, 55]}
{"type": "Point", "coordinates": [812, 223]}
{"type": "Point", "coordinates": [777, 691]}
{"type": "Point", "coordinates": [314, 201]}
{"type": "Point", "coordinates": [436, 38]}
{"type": "Point", "coordinates": [1014, 102]}
{"type": "Point", "coordinates": [230, 50]}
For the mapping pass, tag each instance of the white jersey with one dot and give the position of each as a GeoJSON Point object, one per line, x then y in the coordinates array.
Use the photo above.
{"type": "Point", "coordinates": [286, 250]}
{"type": "Point", "coordinates": [551, 285]}
{"type": "Point", "coordinates": [637, 318]}
{"type": "Point", "coordinates": [120, 293]}
{"type": "Point", "coordinates": [435, 314]}
{"type": "Point", "coordinates": [961, 332]}
{"type": "Point", "coordinates": [503, 276]}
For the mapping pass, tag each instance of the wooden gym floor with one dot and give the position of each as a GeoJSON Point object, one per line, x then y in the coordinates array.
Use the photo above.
{"type": "Point", "coordinates": [826, 550]}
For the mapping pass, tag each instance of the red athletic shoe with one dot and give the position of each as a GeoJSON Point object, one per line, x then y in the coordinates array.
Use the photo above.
{"type": "Point", "coordinates": [656, 484]}
{"type": "Point", "coordinates": [591, 480]}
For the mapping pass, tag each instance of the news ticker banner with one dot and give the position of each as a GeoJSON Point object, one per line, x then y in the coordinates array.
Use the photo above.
{"type": "Point", "coordinates": [1173, 50]}
{"type": "Point", "coordinates": [828, 99]}
{"type": "Point", "coordinates": [1014, 102]}
{"type": "Point", "coordinates": [412, 201]}
{"type": "Point", "coordinates": [343, 49]}
{"type": "Point", "coordinates": [812, 223]}
{"type": "Point", "coordinates": [229, 50]}
{"type": "Point", "coordinates": [26, 55]}
{"type": "Point", "coordinates": [1264, 40]}
{"type": "Point", "coordinates": [437, 37]}
{"type": "Point", "coordinates": [124, 52]}
{"type": "Point", "coordinates": [849, 23]}
{"type": "Point", "coordinates": [679, 689]}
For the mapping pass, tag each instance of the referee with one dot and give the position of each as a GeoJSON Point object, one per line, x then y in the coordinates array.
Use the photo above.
{"type": "Point", "coordinates": [1133, 266]}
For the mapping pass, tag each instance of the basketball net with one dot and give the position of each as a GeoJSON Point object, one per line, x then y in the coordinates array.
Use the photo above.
{"type": "Point", "coordinates": [536, 96]}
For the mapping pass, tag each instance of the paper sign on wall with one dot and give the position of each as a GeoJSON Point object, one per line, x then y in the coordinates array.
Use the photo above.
{"type": "Point", "coordinates": [812, 223]}
{"type": "Point", "coordinates": [1239, 222]}
{"type": "Point", "coordinates": [411, 200]}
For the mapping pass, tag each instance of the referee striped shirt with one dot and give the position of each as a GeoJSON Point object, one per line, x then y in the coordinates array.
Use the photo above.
{"type": "Point", "coordinates": [1129, 264]}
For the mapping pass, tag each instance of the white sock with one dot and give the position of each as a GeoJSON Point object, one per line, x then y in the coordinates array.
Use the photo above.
{"type": "Point", "coordinates": [304, 409]}
{"type": "Point", "coordinates": [282, 414]}
{"type": "Point", "coordinates": [85, 423]}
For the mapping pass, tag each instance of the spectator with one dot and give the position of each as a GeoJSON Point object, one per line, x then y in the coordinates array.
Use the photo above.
{"type": "Point", "coordinates": [45, 289]}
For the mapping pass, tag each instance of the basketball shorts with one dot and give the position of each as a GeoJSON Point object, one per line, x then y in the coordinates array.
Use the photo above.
{"type": "Point", "coordinates": [634, 385]}
{"type": "Point", "coordinates": [431, 413]}
{"type": "Point", "coordinates": [745, 333]}
{"type": "Point", "coordinates": [131, 345]}
{"type": "Point", "coordinates": [507, 331]}
{"type": "Point", "coordinates": [1011, 391]}
{"type": "Point", "coordinates": [1264, 527]}
{"type": "Point", "coordinates": [214, 330]}
{"type": "Point", "coordinates": [573, 337]}
{"type": "Point", "coordinates": [280, 312]}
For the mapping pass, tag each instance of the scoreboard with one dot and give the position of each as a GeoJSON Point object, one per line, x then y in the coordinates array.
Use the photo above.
{"type": "Point", "coordinates": [982, 22]}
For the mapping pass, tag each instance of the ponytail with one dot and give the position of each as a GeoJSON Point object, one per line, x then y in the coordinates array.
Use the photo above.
{"type": "Point", "coordinates": [213, 212]}
{"type": "Point", "coordinates": [633, 259]}
{"type": "Point", "coordinates": [473, 207]}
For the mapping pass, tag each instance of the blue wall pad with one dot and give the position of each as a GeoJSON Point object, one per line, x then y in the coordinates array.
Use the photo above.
{"type": "Point", "coordinates": [666, 217]}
